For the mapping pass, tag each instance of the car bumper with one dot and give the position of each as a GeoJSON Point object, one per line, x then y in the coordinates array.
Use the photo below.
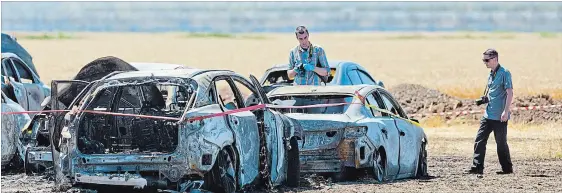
{"type": "Point", "coordinates": [354, 152]}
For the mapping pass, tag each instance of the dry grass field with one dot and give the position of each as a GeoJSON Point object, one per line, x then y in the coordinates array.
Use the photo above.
{"type": "Point", "coordinates": [449, 62]}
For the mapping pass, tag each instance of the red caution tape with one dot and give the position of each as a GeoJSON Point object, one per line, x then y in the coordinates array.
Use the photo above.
{"type": "Point", "coordinates": [481, 111]}
{"type": "Point", "coordinates": [260, 106]}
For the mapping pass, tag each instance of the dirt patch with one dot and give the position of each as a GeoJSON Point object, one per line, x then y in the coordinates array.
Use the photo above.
{"type": "Point", "coordinates": [446, 175]}
{"type": "Point", "coordinates": [417, 99]}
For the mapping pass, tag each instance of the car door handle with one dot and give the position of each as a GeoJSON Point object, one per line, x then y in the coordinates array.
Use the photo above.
{"type": "Point", "coordinates": [383, 130]}
{"type": "Point", "coordinates": [402, 133]}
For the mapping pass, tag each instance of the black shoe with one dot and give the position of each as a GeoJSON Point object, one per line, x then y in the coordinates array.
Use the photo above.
{"type": "Point", "coordinates": [474, 171]}
{"type": "Point", "coordinates": [505, 172]}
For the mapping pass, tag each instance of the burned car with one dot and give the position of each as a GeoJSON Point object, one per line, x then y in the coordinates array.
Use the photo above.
{"type": "Point", "coordinates": [215, 132]}
{"type": "Point", "coordinates": [341, 73]}
{"type": "Point", "coordinates": [354, 128]}
{"type": "Point", "coordinates": [33, 144]}
{"type": "Point", "coordinates": [21, 84]}
{"type": "Point", "coordinates": [11, 125]}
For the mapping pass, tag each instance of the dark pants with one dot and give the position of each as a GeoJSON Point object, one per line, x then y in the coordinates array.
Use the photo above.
{"type": "Point", "coordinates": [500, 133]}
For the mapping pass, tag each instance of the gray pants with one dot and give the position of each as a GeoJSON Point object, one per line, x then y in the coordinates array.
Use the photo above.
{"type": "Point", "coordinates": [500, 133]}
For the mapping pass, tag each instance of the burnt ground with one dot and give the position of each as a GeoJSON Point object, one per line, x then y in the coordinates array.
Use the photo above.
{"type": "Point", "coordinates": [532, 174]}
{"type": "Point", "coordinates": [446, 175]}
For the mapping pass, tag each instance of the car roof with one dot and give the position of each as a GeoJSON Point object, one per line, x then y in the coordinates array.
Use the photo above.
{"type": "Point", "coordinates": [179, 73]}
{"type": "Point", "coordinates": [9, 55]}
{"type": "Point", "coordinates": [156, 66]}
{"type": "Point", "coordinates": [319, 90]}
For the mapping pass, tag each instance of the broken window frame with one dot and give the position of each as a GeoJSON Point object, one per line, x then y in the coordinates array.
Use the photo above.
{"type": "Point", "coordinates": [7, 64]}
{"type": "Point", "coordinates": [248, 85]}
{"type": "Point", "coordinates": [95, 91]}
{"type": "Point", "coordinates": [17, 63]}
{"type": "Point", "coordinates": [396, 105]}
{"type": "Point", "coordinates": [92, 94]}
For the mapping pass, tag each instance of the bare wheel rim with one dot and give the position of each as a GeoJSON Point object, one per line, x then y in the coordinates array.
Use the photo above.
{"type": "Point", "coordinates": [227, 174]}
{"type": "Point", "coordinates": [378, 167]}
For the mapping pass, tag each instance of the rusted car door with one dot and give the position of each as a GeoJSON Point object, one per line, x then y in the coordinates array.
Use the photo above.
{"type": "Point", "coordinates": [19, 91]}
{"type": "Point", "coordinates": [33, 88]}
{"type": "Point", "coordinates": [275, 134]}
{"type": "Point", "coordinates": [55, 125]}
{"type": "Point", "coordinates": [389, 131]}
{"type": "Point", "coordinates": [408, 143]}
{"type": "Point", "coordinates": [244, 126]}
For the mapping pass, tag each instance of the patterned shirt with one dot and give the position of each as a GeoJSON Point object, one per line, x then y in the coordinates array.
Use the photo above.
{"type": "Point", "coordinates": [316, 56]}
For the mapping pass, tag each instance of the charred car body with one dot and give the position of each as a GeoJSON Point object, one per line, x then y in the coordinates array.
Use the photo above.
{"type": "Point", "coordinates": [341, 73]}
{"type": "Point", "coordinates": [11, 125]}
{"type": "Point", "coordinates": [32, 141]}
{"type": "Point", "coordinates": [226, 153]}
{"type": "Point", "coordinates": [339, 140]}
{"type": "Point", "coordinates": [22, 90]}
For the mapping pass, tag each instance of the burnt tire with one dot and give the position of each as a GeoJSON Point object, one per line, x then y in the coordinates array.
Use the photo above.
{"type": "Point", "coordinates": [222, 177]}
{"type": "Point", "coordinates": [379, 169]}
{"type": "Point", "coordinates": [293, 164]}
{"type": "Point", "coordinates": [422, 163]}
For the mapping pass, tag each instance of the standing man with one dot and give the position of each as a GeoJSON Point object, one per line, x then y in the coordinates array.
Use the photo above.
{"type": "Point", "coordinates": [307, 62]}
{"type": "Point", "coordinates": [498, 95]}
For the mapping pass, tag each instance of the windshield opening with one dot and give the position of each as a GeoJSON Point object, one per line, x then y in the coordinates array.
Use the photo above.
{"type": "Point", "coordinates": [116, 134]}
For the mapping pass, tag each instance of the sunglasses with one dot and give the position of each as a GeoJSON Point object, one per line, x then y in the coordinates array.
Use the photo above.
{"type": "Point", "coordinates": [487, 60]}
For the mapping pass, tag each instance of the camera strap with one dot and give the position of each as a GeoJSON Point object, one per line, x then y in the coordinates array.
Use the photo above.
{"type": "Point", "coordinates": [491, 79]}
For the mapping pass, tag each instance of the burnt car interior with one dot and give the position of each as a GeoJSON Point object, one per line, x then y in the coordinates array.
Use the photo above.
{"type": "Point", "coordinates": [303, 100]}
{"type": "Point", "coordinates": [109, 134]}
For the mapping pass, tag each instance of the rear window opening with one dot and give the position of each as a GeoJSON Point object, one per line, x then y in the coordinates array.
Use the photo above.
{"type": "Point", "coordinates": [114, 134]}
{"type": "Point", "coordinates": [281, 77]}
{"type": "Point", "coordinates": [304, 100]}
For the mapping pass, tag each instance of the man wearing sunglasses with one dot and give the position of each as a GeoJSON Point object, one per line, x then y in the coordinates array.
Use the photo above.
{"type": "Point", "coordinates": [308, 63]}
{"type": "Point", "coordinates": [498, 95]}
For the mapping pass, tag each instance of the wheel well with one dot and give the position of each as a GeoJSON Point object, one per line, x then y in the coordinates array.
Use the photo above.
{"type": "Point", "coordinates": [382, 152]}
{"type": "Point", "coordinates": [233, 153]}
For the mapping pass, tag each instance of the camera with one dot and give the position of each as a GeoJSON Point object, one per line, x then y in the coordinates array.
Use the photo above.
{"type": "Point", "coordinates": [482, 100]}
{"type": "Point", "coordinates": [300, 67]}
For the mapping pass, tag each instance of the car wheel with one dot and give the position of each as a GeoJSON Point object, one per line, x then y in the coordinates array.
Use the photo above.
{"type": "Point", "coordinates": [222, 176]}
{"type": "Point", "coordinates": [422, 163]}
{"type": "Point", "coordinates": [293, 164]}
{"type": "Point", "coordinates": [379, 166]}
